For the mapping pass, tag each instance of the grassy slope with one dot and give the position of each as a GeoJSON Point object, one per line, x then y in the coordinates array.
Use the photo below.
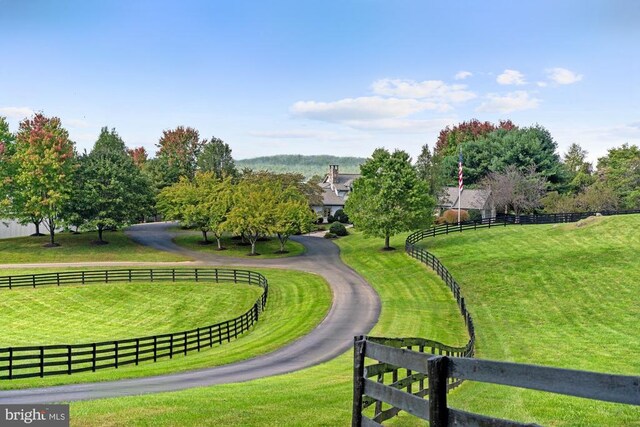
{"type": "Point", "coordinates": [556, 295]}
{"type": "Point", "coordinates": [297, 303]}
{"type": "Point", "coordinates": [79, 248]}
{"type": "Point", "coordinates": [317, 396]}
{"type": "Point", "coordinates": [266, 249]}
{"type": "Point", "coordinates": [101, 312]}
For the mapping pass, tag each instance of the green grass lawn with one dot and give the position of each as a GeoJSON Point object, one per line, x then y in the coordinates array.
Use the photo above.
{"type": "Point", "coordinates": [80, 248]}
{"type": "Point", "coordinates": [558, 295]}
{"type": "Point", "coordinates": [102, 312]}
{"type": "Point", "coordinates": [233, 248]}
{"type": "Point", "coordinates": [297, 303]}
{"type": "Point", "coordinates": [415, 304]}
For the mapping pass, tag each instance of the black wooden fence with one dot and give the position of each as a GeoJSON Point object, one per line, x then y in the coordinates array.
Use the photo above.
{"type": "Point", "coordinates": [433, 375]}
{"type": "Point", "coordinates": [45, 360]}
{"type": "Point", "coordinates": [400, 372]}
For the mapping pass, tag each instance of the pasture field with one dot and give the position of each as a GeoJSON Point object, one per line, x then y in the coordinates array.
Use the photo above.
{"type": "Point", "coordinates": [563, 295]}
{"type": "Point", "coordinates": [74, 314]}
{"type": "Point", "coordinates": [297, 303]}
{"type": "Point", "coordinates": [80, 248]}
{"type": "Point", "coordinates": [415, 303]}
{"type": "Point", "coordinates": [266, 248]}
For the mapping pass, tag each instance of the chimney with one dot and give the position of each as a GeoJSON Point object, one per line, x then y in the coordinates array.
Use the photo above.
{"type": "Point", "coordinates": [333, 173]}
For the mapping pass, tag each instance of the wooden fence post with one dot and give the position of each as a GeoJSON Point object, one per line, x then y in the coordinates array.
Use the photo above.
{"type": "Point", "coordinates": [10, 363]}
{"type": "Point", "coordinates": [358, 379]}
{"type": "Point", "coordinates": [68, 360]}
{"type": "Point", "coordinates": [41, 361]}
{"type": "Point", "coordinates": [437, 374]}
{"type": "Point", "coordinates": [93, 359]}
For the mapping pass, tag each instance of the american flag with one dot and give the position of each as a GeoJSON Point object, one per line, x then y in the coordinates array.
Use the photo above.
{"type": "Point", "coordinates": [460, 186]}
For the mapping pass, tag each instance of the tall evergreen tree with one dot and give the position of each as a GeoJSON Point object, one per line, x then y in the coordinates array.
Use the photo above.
{"type": "Point", "coordinates": [216, 157]}
{"type": "Point", "coordinates": [113, 191]}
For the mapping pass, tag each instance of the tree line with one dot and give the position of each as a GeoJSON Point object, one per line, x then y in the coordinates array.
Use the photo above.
{"type": "Point", "coordinates": [519, 167]}
{"type": "Point", "coordinates": [46, 182]}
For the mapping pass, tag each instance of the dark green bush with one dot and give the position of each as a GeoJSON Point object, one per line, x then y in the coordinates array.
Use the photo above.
{"type": "Point", "coordinates": [338, 229]}
{"type": "Point", "coordinates": [330, 235]}
{"type": "Point", "coordinates": [341, 216]}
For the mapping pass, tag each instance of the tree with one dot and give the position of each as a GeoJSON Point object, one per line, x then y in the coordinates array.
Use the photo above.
{"type": "Point", "coordinates": [7, 172]}
{"type": "Point", "coordinates": [515, 190]}
{"type": "Point", "coordinates": [494, 151]}
{"type": "Point", "coordinates": [620, 171]}
{"type": "Point", "coordinates": [112, 189]}
{"type": "Point", "coordinates": [253, 213]}
{"type": "Point", "coordinates": [291, 214]}
{"type": "Point", "coordinates": [389, 198]}
{"type": "Point", "coordinates": [579, 172]}
{"type": "Point", "coordinates": [597, 197]}
{"type": "Point", "coordinates": [429, 169]}
{"type": "Point", "coordinates": [202, 203]}
{"type": "Point", "coordinates": [310, 189]}
{"type": "Point", "coordinates": [44, 163]}
{"type": "Point", "coordinates": [179, 149]}
{"type": "Point", "coordinates": [139, 156]}
{"type": "Point", "coordinates": [450, 138]}
{"type": "Point", "coordinates": [216, 157]}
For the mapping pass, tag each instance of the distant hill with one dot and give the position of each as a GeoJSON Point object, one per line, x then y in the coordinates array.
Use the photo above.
{"type": "Point", "coordinates": [306, 165]}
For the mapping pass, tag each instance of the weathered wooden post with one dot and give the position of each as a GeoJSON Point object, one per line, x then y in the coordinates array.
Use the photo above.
{"type": "Point", "coordinates": [437, 372]}
{"type": "Point", "coordinates": [358, 379]}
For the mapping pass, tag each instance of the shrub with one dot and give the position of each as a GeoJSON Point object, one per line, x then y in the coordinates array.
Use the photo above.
{"type": "Point", "coordinates": [320, 220]}
{"type": "Point", "coordinates": [330, 219]}
{"type": "Point", "coordinates": [474, 215]}
{"type": "Point", "coordinates": [338, 229]}
{"type": "Point", "coordinates": [330, 235]}
{"type": "Point", "coordinates": [451, 216]}
{"type": "Point", "coordinates": [341, 216]}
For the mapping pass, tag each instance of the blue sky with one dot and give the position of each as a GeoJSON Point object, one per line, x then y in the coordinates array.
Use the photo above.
{"type": "Point", "coordinates": [330, 77]}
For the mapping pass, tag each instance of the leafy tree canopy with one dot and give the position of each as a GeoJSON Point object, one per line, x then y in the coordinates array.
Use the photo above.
{"type": "Point", "coordinates": [179, 149]}
{"type": "Point", "coordinates": [44, 163]}
{"type": "Point", "coordinates": [216, 157]}
{"type": "Point", "coordinates": [620, 171]}
{"type": "Point", "coordinates": [389, 198]}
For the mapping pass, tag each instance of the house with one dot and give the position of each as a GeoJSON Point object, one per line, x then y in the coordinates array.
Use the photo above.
{"type": "Point", "coordinates": [335, 191]}
{"type": "Point", "coordinates": [471, 200]}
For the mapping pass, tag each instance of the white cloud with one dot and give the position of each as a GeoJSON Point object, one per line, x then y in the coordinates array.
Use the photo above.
{"type": "Point", "coordinates": [461, 75]}
{"type": "Point", "coordinates": [511, 77]}
{"type": "Point", "coordinates": [363, 108]}
{"type": "Point", "coordinates": [542, 84]}
{"type": "Point", "coordinates": [16, 112]}
{"type": "Point", "coordinates": [512, 101]}
{"type": "Point", "coordinates": [433, 90]}
{"type": "Point", "coordinates": [562, 76]}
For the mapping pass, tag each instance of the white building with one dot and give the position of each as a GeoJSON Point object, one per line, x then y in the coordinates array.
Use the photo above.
{"type": "Point", "coordinates": [335, 191]}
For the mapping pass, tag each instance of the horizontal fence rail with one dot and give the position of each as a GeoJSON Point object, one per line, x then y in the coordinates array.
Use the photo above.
{"type": "Point", "coordinates": [436, 374]}
{"type": "Point", "coordinates": [400, 380]}
{"type": "Point", "coordinates": [46, 360]}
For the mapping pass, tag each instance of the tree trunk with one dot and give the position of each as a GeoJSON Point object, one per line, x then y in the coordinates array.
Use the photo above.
{"type": "Point", "coordinates": [100, 230]}
{"type": "Point", "coordinates": [253, 247]}
{"type": "Point", "coordinates": [37, 224]}
{"type": "Point", "coordinates": [218, 237]}
{"type": "Point", "coordinates": [52, 233]}
{"type": "Point", "coordinates": [386, 241]}
{"type": "Point", "coordinates": [204, 236]}
{"type": "Point", "coordinates": [283, 240]}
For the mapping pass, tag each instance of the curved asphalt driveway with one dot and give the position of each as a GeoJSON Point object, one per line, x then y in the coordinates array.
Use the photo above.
{"type": "Point", "coordinates": [354, 311]}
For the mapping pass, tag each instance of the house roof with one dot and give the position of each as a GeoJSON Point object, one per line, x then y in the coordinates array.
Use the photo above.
{"type": "Point", "coordinates": [471, 198]}
{"type": "Point", "coordinates": [329, 197]}
{"type": "Point", "coordinates": [344, 181]}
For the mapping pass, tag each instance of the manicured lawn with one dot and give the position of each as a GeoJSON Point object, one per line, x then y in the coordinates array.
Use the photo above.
{"type": "Point", "coordinates": [235, 248]}
{"type": "Point", "coordinates": [557, 295]}
{"type": "Point", "coordinates": [102, 312]}
{"type": "Point", "coordinates": [297, 303]}
{"type": "Point", "coordinates": [415, 303]}
{"type": "Point", "coordinates": [80, 248]}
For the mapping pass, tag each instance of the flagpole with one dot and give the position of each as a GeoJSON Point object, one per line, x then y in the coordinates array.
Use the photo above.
{"type": "Point", "coordinates": [459, 184]}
